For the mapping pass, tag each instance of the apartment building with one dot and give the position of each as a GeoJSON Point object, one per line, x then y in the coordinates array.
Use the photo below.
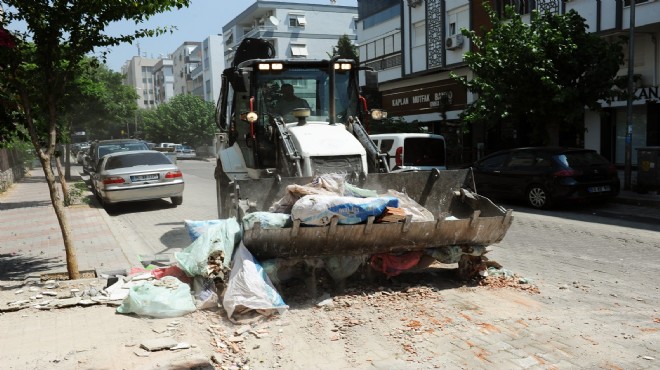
{"type": "Point", "coordinates": [295, 30]}
{"type": "Point", "coordinates": [415, 44]}
{"type": "Point", "coordinates": [184, 63]}
{"type": "Point", "coordinates": [138, 72]}
{"type": "Point", "coordinates": [164, 80]}
{"type": "Point", "coordinates": [206, 77]}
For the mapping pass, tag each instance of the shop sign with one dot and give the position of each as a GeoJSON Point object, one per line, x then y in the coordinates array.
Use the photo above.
{"type": "Point", "coordinates": [424, 98]}
{"type": "Point", "coordinates": [644, 93]}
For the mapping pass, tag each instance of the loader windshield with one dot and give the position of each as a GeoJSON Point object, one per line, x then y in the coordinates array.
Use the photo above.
{"type": "Point", "coordinates": [310, 88]}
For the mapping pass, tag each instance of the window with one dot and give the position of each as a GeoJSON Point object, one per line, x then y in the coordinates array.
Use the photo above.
{"type": "Point", "coordinates": [493, 162]}
{"type": "Point", "coordinates": [419, 34]}
{"type": "Point", "coordinates": [522, 159]}
{"type": "Point", "coordinates": [299, 50]}
{"type": "Point", "coordinates": [297, 21]}
{"type": "Point", "coordinates": [519, 6]}
{"type": "Point", "coordinates": [627, 2]}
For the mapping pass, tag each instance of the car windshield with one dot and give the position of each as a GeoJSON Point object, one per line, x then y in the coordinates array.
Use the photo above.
{"type": "Point", "coordinates": [138, 159]}
{"type": "Point", "coordinates": [311, 89]}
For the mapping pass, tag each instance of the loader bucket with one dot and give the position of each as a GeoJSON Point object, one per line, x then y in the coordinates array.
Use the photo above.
{"type": "Point", "coordinates": [462, 218]}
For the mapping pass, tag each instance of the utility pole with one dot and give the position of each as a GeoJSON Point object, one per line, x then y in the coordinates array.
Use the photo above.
{"type": "Point", "coordinates": [627, 175]}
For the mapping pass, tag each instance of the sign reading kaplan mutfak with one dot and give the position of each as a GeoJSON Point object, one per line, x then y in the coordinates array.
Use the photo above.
{"type": "Point", "coordinates": [424, 98]}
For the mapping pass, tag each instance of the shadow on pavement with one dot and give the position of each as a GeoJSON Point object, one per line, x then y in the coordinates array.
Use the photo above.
{"type": "Point", "coordinates": [24, 204]}
{"type": "Point", "coordinates": [14, 266]}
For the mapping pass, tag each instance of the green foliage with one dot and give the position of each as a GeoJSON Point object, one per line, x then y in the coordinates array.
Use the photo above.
{"type": "Point", "coordinates": [184, 119]}
{"type": "Point", "coordinates": [100, 104]}
{"type": "Point", "coordinates": [539, 74]}
{"type": "Point", "coordinates": [345, 49]}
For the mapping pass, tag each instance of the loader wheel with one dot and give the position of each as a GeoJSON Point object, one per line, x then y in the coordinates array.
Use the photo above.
{"type": "Point", "coordinates": [538, 197]}
{"type": "Point", "coordinates": [223, 199]}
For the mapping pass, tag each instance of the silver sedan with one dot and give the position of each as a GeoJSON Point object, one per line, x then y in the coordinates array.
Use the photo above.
{"type": "Point", "coordinates": [137, 175]}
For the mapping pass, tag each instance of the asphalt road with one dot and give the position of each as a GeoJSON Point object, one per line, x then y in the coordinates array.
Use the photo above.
{"type": "Point", "coordinates": [595, 266]}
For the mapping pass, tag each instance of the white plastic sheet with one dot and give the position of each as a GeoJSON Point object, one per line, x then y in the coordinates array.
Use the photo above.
{"type": "Point", "coordinates": [249, 286]}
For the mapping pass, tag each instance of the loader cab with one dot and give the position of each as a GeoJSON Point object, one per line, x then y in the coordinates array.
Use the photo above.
{"type": "Point", "coordinates": [328, 89]}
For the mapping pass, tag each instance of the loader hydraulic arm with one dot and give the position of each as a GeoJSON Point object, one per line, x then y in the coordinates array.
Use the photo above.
{"type": "Point", "coordinates": [376, 159]}
{"type": "Point", "coordinates": [289, 149]}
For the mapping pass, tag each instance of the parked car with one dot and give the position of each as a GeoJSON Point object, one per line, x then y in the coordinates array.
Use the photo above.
{"type": "Point", "coordinates": [98, 149]}
{"type": "Point", "coordinates": [82, 152]}
{"type": "Point", "coordinates": [543, 176]}
{"type": "Point", "coordinates": [137, 175]}
{"type": "Point", "coordinates": [185, 151]}
{"type": "Point", "coordinates": [413, 151]}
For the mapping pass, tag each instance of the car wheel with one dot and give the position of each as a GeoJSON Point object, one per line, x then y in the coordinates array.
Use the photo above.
{"type": "Point", "coordinates": [538, 197]}
{"type": "Point", "coordinates": [177, 201]}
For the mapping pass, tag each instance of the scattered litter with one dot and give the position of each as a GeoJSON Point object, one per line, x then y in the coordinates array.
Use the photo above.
{"type": "Point", "coordinates": [168, 297]}
{"type": "Point", "coordinates": [158, 344]}
{"type": "Point", "coordinates": [249, 286]}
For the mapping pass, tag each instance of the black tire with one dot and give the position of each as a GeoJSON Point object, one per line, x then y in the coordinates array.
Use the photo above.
{"type": "Point", "coordinates": [177, 201]}
{"type": "Point", "coordinates": [538, 197]}
{"type": "Point", "coordinates": [223, 199]}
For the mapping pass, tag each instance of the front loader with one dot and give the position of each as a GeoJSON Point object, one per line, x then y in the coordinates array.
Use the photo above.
{"type": "Point", "coordinates": [261, 152]}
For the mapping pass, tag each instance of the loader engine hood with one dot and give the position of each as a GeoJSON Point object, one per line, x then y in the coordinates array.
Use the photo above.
{"type": "Point", "coordinates": [320, 142]}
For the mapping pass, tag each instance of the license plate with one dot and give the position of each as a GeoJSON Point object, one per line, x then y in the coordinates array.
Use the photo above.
{"type": "Point", "coordinates": [598, 189]}
{"type": "Point", "coordinates": [144, 177]}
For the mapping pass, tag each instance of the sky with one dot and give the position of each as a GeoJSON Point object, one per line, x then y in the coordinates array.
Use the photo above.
{"type": "Point", "coordinates": [195, 23]}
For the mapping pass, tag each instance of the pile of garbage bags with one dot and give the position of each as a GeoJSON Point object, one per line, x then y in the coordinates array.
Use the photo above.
{"type": "Point", "coordinates": [216, 268]}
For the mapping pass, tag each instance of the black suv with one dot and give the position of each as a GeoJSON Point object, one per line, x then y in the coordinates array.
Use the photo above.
{"type": "Point", "coordinates": [98, 149]}
{"type": "Point", "coordinates": [545, 175]}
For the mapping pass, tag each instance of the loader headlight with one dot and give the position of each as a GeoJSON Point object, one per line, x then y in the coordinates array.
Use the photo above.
{"type": "Point", "coordinates": [378, 114]}
{"type": "Point", "coordinates": [250, 117]}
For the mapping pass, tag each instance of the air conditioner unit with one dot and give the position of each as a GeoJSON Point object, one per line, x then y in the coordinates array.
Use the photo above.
{"type": "Point", "coordinates": [454, 42]}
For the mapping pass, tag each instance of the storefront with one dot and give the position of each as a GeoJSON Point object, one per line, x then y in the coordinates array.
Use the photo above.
{"type": "Point", "coordinates": [645, 125]}
{"type": "Point", "coordinates": [435, 105]}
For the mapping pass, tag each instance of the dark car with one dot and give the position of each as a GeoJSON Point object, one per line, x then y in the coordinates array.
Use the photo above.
{"type": "Point", "coordinates": [98, 149]}
{"type": "Point", "coordinates": [543, 176]}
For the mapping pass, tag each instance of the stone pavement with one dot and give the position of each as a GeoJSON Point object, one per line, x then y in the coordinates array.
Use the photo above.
{"type": "Point", "coordinates": [31, 242]}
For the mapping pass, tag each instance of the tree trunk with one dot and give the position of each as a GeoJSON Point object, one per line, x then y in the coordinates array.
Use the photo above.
{"type": "Point", "coordinates": [45, 158]}
{"type": "Point", "coordinates": [63, 184]}
{"type": "Point", "coordinates": [71, 259]}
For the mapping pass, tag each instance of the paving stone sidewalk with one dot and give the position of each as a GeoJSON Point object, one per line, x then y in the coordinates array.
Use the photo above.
{"type": "Point", "coordinates": [31, 241]}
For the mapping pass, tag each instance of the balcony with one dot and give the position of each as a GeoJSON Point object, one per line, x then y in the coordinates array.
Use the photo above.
{"type": "Point", "coordinates": [258, 32]}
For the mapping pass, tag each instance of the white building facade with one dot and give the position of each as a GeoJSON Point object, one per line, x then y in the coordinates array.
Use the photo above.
{"type": "Point", "coordinates": [164, 80]}
{"type": "Point", "coordinates": [206, 77]}
{"type": "Point", "coordinates": [138, 73]}
{"type": "Point", "coordinates": [415, 44]}
{"type": "Point", "coordinates": [295, 30]}
{"type": "Point", "coordinates": [184, 63]}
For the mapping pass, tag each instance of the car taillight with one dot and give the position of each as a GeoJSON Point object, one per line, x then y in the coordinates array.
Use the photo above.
{"type": "Point", "coordinates": [113, 180]}
{"type": "Point", "coordinates": [173, 175]}
{"type": "Point", "coordinates": [567, 173]}
{"type": "Point", "coordinates": [398, 157]}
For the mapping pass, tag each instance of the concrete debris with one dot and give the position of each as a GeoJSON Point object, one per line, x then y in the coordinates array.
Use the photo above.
{"type": "Point", "coordinates": [182, 345]}
{"type": "Point", "coordinates": [158, 344]}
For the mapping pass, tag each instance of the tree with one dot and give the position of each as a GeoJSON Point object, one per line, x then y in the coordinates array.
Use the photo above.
{"type": "Point", "coordinates": [42, 64]}
{"type": "Point", "coordinates": [100, 104]}
{"type": "Point", "coordinates": [184, 119]}
{"type": "Point", "coordinates": [540, 76]}
{"type": "Point", "coordinates": [345, 49]}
